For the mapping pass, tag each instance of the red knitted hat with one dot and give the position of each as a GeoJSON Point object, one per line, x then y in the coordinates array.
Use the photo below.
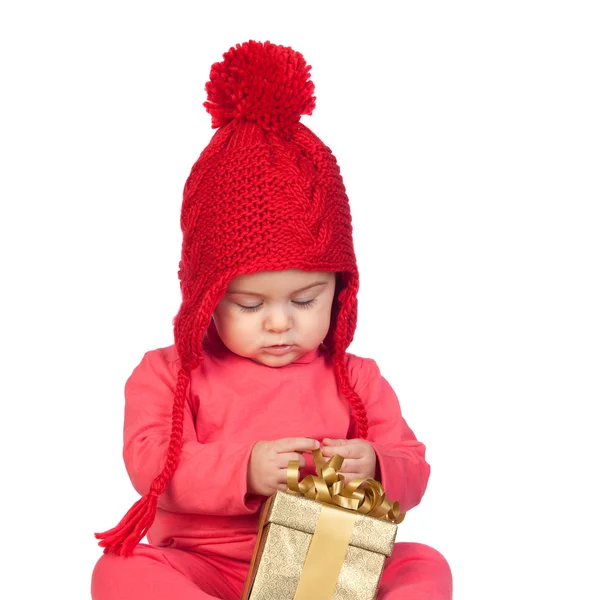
{"type": "Point", "coordinates": [265, 195]}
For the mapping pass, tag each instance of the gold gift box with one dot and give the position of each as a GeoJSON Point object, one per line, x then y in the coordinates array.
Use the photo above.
{"type": "Point", "coordinates": [286, 530]}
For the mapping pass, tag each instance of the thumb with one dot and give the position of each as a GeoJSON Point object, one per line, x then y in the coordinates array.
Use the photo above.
{"type": "Point", "coordinates": [331, 442]}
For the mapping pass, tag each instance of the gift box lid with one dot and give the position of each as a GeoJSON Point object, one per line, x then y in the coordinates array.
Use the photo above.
{"type": "Point", "coordinates": [300, 513]}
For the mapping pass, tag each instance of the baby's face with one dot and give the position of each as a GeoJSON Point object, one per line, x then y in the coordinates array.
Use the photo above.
{"type": "Point", "coordinates": [275, 308]}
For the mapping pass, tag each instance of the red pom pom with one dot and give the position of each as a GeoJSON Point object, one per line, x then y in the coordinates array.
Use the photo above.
{"type": "Point", "coordinates": [262, 83]}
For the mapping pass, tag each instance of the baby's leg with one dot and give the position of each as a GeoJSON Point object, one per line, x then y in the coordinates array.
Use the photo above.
{"type": "Point", "coordinates": [154, 573]}
{"type": "Point", "coordinates": [415, 572]}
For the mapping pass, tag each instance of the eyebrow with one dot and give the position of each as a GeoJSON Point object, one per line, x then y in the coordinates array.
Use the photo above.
{"type": "Point", "coordinates": [307, 287]}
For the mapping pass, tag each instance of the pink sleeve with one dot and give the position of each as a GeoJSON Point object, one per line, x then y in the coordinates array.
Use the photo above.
{"type": "Point", "coordinates": [210, 478]}
{"type": "Point", "coordinates": [402, 469]}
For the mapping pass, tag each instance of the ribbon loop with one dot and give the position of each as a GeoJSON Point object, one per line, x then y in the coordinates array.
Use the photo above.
{"type": "Point", "coordinates": [365, 496]}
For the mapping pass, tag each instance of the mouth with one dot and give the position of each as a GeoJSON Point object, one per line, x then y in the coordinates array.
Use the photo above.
{"type": "Point", "coordinates": [279, 349]}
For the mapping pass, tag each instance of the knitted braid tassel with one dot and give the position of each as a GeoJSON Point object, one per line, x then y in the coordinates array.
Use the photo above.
{"type": "Point", "coordinates": [341, 342]}
{"type": "Point", "coordinates": [123, 538]}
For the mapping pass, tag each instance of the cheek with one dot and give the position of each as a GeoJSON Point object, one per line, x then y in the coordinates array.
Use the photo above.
{"type": "Point", "coordinates": [325, 320]}
{"type": "Point", "coordinates": [325, 315]}
{"type": "Point", "coordinates": [316, 324]}
{"type": "Point", "coordinates": [235, 325]}
{"type": "Point", "coordinates": [224, 319]}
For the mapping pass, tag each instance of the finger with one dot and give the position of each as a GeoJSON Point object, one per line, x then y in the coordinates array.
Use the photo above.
{"type": "Point", "coordinates": [349, 467]}
{"type": "Point", "coordinates": [352, 465]}
{"type": "Point", "coordinates": [284, 458]}
{"type": "Point", "coordinates": [332, 442]}
{"type": "Point", "coordinates": [295, 444]}
{"type": "Point", "coordinates": [329, 451]}
{"type": "Point", "coordinates": [347, 451]}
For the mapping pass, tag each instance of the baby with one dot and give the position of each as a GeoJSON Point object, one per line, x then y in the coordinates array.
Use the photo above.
{"type": "Point", "coordinates": [259, 373]}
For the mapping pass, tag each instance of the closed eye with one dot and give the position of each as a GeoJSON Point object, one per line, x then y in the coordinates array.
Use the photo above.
{"type": "Point", "coordinates": [306, 304]}
{"type": "Point", "coordinates": [251, 309]}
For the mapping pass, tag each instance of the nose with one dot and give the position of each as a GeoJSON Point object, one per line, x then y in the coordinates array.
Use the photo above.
{"type": "Point", "coordinates": [278, 320]}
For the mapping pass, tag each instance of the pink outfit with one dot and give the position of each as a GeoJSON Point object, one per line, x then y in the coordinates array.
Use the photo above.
{"type": "Point", "coordinates": [202, 539]}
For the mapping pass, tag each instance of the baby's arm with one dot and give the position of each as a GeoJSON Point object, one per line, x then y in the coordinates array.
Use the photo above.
{"type": "Point", "coordinates": [210, 478]}
{"type": "Point", "coordinates": [402, 468]}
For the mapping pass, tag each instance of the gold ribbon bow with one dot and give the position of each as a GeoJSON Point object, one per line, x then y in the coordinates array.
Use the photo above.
{"type": "Point", "coordinates": [365, 496]}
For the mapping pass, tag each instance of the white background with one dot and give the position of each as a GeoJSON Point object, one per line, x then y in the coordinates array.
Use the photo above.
{"type": "Point", "coordinates": [468, 134]}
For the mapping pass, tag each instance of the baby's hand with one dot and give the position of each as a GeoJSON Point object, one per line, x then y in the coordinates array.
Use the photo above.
{"type": "Point", "coordinates": [360, 460]}
{"type": "Point", "coordinates": [267, 468]}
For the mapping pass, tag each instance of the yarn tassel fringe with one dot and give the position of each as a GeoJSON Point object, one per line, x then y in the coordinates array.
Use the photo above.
{"type": "Point", "coordinates": [123, 538]}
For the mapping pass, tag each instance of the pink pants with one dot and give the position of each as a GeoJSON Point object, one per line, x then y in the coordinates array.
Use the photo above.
{"type": "Point", "coordinates": [413, 572]}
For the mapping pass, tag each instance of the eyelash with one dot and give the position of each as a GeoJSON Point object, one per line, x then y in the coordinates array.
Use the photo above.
{"type": "Point", "coordinates": [251, 309]}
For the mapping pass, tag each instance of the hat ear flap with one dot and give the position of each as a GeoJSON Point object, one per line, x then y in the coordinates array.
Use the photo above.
{"type": "Point", "coordinates": [344, 312]}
